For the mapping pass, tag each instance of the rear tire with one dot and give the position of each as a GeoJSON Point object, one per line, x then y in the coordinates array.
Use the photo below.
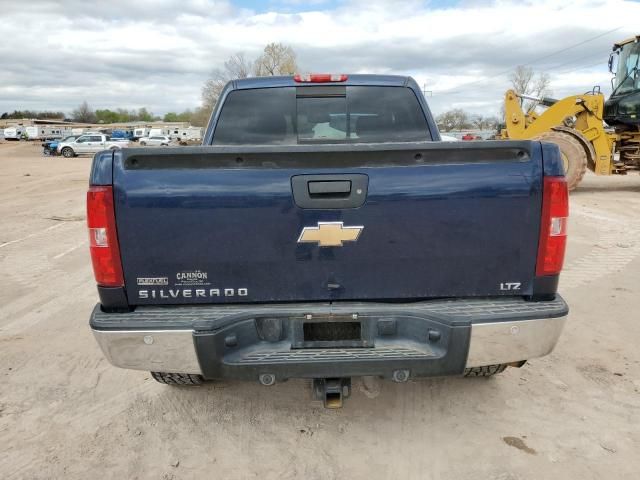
{"type": "Point", "coordinates": [589, 150]}
{"type": "Point", "coordinates": [177, 378]}
{"type": "Point", "coordinates": [143, 143]}
{"type": "Point", "coordinates": [485, 371]}
{"type": "Point", "coordinates": [574, 156]}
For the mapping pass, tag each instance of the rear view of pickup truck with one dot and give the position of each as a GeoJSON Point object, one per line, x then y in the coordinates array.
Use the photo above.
{"type": "Point", "coordinates": [323, 231]}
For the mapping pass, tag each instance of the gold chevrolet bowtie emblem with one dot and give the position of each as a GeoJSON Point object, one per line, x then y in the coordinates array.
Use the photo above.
{"type": "Point", "coordinates": [329, 234]}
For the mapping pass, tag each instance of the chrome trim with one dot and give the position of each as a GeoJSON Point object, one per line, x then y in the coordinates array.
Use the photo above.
{"type": "Point", "coordinates": [170, 351]}
{"type": "Point", "coordinates": [506, 342]}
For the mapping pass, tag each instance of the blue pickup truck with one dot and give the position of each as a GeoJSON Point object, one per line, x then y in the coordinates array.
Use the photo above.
{"type": "Point", "coordinates": [324, 231]}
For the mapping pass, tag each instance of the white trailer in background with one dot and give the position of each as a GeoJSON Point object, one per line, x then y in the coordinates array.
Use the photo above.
{"type": "Point", "coordinates": [77, 131]}
{"type": "Point", "coordinates": [32, 133]}
{"type": "Point", "coordinates": [13, 133]}
{"type": "Point", "coordinates": [140, 132]}
{"type": "Point", "coordinates": [184, 134]}
{"type": "Point", "coordinates": [157, 132]}
{"type": "Point", "coordinates": [47, 132]}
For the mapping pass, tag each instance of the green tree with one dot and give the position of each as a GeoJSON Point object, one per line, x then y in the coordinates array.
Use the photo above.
{"type": "Point", "coordinates": [107, 116]}
{"type": "Point", "coordinates": [144, 115]}
{"type": "Point", "coordinates": [200, 117]}
{"type": "Point", "coordinates": [185, 116]}
{"type": "Point", "coordinates": [123, 115]}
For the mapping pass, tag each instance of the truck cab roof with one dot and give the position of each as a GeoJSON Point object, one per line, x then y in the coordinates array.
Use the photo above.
{"type": "Point", "coordinates": [356, 79]}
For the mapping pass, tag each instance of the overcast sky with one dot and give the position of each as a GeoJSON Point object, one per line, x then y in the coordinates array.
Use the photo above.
{"type": "Point", "coordinates": [157, 54]}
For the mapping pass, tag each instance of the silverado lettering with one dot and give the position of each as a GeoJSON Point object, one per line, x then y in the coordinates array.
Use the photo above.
{"type": "Point", "coordinates": [374, 247]}
{"type": "Point", "coordinates": [190, 293]}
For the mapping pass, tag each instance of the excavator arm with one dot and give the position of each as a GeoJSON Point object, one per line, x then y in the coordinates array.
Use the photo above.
{"type": "Point", "coordinates": [581, 113]}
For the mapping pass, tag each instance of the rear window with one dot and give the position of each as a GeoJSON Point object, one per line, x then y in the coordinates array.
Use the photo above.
{"type": "Point", "coordinates": [321, 114]}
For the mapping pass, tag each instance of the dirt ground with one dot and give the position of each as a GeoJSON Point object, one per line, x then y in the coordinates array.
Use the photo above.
{"type": "Point", "coordinates": [66, 413]}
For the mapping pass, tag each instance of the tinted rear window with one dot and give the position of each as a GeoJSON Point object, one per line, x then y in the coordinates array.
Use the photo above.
{"type": "Point", "coordinates": [331, 114]}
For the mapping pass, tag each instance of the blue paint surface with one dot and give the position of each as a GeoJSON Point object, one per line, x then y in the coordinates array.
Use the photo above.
{"type": "Point", "coordinates": [430, 230]}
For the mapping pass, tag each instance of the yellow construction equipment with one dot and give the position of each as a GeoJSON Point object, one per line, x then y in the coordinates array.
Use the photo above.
{"type": "Point", "coordinates": [577, 123]}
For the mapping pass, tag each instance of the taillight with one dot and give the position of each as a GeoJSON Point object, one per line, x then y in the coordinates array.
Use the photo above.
{"type": "Point", "coordinates": [319, 77]}
{"type": "Point", "coordinates": [103, 238]}
{"type": "Point", "coordinates": [553, 229]}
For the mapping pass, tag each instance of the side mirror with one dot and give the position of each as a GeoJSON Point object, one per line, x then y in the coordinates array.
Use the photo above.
{"type": "Point", "coordinates": [611, 63]}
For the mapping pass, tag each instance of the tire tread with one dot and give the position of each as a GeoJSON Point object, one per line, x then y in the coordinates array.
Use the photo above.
{"type": "Point", "coordinates": [485, 371]}
{"type": "Point", "coordinates": [573, 149]}
{"type": "Point", "coordinates": [177, 378]}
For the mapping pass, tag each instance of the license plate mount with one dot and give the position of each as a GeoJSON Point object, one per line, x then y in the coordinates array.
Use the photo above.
{"type": "Point", "coordinates": [343, 331]}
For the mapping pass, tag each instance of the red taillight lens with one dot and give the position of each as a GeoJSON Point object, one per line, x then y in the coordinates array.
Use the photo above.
{"type": "Point", "coordinates": [103, 238]}
{"type": "Point", "coordinates": [319, 77]}
{"type": "Point", "coordinates": [553, 229]}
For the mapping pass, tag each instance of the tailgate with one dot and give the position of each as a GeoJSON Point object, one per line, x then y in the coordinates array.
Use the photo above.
{"type": "Point", "coordinates": [335, 222]}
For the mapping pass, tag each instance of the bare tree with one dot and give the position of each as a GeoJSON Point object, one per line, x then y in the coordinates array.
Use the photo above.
{"type": "Point", "coordinates": [492, 122]}
{"type": "Point", "coordinates": [84, 113]}
{"type": "Point", "coordinates": [213, 88]}
{"type": "Point", "coordinates": [456, 119]}
{"type": "Point", "coordinates": [479, 121]}
{"type": "Point", "coordinates": [237, 66]}
{"type": "Point", "coordinates": [276, 59]}
{"type": "Point", "coordinates": [521, 79]}
{"type": "Point", "coordinates": [525, 82]}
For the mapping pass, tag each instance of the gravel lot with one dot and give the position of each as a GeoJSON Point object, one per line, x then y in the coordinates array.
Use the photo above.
{"type": "Point", "coordinates": [66, 413]}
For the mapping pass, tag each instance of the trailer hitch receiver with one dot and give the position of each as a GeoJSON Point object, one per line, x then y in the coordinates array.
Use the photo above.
{"type": "Point", "coordinates": [331, 391]}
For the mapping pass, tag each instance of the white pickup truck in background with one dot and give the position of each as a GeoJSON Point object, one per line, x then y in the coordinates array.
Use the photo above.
{"type": "Point", "coordinates": [89, 143]}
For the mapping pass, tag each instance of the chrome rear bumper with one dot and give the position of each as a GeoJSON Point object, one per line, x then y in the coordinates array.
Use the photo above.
{"type": "Point", "coordinates": [229, 343]}
{"type": "Point", "coordinates": [170, 351]}
{"type": "Point", "coordinates": [507, 342]}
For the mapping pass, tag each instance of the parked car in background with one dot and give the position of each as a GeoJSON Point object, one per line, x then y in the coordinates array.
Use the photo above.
{"type": "Point", "coordinates": [88, 143]}
{"type": "Point", "coordinates": [156, 140]}
{"type": "Point", "coordinates": [122, 135]}
{"type": "Point", "coordinates": [50, 147]}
